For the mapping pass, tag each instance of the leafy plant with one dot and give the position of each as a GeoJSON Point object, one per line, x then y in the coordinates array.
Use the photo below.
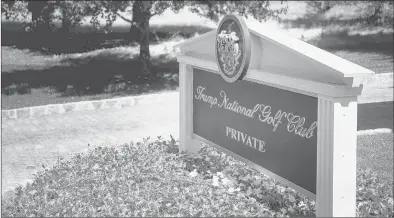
{"type": "Point", "coordinates": [374, 198]}
{"type": "Point", "coordinates": [142, 179]}
{"type": "Point", "coordinates": [151, 178]}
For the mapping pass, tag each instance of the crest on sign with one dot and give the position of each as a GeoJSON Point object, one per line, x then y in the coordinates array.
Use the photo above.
{"type": "Point", "coordinates": [232, 48]}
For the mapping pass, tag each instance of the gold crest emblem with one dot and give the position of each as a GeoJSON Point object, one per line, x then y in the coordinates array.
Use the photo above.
{"type": "Point", "coordinates": [232, 48]}
{"type": "Point", "coordinates": [228, 49]}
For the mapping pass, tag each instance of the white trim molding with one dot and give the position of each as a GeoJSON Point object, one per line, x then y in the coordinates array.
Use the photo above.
{"type": "Point", "coordinates": [186, 142]}
{"type": "Point", "coordinates": [336, 157]}
{"type": "Point", "coordinates": [351, 74]}
{"type": "Point", "coordinates": [299, 85]}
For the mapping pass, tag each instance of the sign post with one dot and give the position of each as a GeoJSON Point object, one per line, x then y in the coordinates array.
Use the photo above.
{"type": "Point", "coordinates": [286, 108]}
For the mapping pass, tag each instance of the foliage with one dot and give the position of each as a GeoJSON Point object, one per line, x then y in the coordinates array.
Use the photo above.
{"type": "Point", "coordinates": [260, 10]}
{"type": "Point", "coordinates": [374, 198]}
{"type": "Point", "coordinates": [138, 14]}
{"type": "Point", "coordinates": [44, 13]}
{"type": "Point", "coordinates": [73, 12]}
{"type": "Point", "coordinates": [14, 10]}
{"type": "Point", "coordinates": [111, 10]}
{"type": "Point", "coordinates": [133, 180]}
{"type": "Point", "coordinates": [153, 179]}
{"type": "Point", "coordinates": [319, 7]}
{"type": "Point", "coordinates": [142, 11]}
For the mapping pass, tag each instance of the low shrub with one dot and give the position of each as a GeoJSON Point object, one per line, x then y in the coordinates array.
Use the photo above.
{"type": "Point", "coordinates": [153, 179]}
{"type": "Point", "coordinates": [143, 179]}
{"type": "Point", "coordinates": [374, 197]}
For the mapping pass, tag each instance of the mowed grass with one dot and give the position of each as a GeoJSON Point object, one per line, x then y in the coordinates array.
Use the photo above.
{"type": "Point", "coordinates": [151, 178]}
{"type": "Point", "coordinates": [33, 78]}
{"type": "Point", "coordinates": [376, 153]}
{"type": "Point", "coordinates": [377, 62]}
{"type": "Point", "coordinates": [103, 66]}
{"type": "Point", "coordinates": [99, 65]}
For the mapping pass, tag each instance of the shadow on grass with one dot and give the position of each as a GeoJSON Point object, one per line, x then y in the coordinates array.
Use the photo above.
{"type": "Point", "coordinates": [89, 76]}
{"type": "Point", "coordinates": [83, 39]}
{"type": "Point", "coordinates": [378, 42]}
{"type": "Point", "coordinates": [106, 73]}
{"type": "Point", "coordinates": [340, 39]}
{"type": "Point", "coordinates": [375, 116]}
{"type": "Point", "coordinates": [312, 20]}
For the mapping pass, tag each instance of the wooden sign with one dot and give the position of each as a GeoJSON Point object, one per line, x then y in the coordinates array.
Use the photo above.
{"type": "Point", "coordinates": [273, 128]}
{"type": "Point", "coordinates": [282, 106]}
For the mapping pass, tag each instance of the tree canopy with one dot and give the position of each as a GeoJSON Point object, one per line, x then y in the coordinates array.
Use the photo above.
{"type": "Point", "coordinates": [137, 13]}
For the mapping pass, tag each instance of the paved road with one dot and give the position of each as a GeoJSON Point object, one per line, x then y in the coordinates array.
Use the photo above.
{"type": "Point", "coordinates": [28, 143]}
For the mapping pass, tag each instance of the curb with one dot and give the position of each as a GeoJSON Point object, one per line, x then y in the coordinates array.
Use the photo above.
{"type": "Point", "coordinates": [50, 109]}
{"type": "Point", "coordinates": [36, 111]}
{"type": "Point", "coordinates": [374, 131]}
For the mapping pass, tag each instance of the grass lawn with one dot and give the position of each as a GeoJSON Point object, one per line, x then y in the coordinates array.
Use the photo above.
{"type": "Point", "coordinates": [92, 66]}
{"type": "Point", "coordinates": [152, 179]}
{"type": "Point", "coordinates": [376, 152]}
{"type": "Point", "coordinates": [33, 78]}
{"type": "Point", "coordinates": [377, 62]}
{"type": "Point", "coordinates": [86, 69]}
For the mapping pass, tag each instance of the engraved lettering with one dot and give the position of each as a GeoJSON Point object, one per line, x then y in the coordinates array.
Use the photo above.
{"type": "Point", "coordinates": [295, 123]}
{"type": "Point", "coordinates": [245, 139]}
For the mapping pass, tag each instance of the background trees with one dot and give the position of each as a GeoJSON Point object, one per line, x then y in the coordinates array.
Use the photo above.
{"type": "Point", "coordinates": [43, 14]}
{"type": "Point", "coordinates": [39, 16]}
{"type": "Point", "coordinates": [139, 13]}
{"type": "Point", "coordinates": [136, 13]}
{"type": "Point", "coordinates": [72, 13]}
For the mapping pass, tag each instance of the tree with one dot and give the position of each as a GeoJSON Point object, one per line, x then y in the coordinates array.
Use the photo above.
{"type": "Point", "coordinates": [139, 16]}
{"type": "Point", "coordinates": [143, 11]}
{"type": "Point", "coordinates": [14, 10]}
{"type": "Point", "coordinates": [319, 7]}
{"type": "Point", "coordinates": [71, 13]}
{"type": "Point", "coordinates": [43, 13]}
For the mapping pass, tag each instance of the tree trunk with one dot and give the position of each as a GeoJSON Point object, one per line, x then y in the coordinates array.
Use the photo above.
{"type": "Point", "coordinates": [36, 8]}
{"type": "Point", "coordinates": [134, 33]}
{"type": "Point", "coordinates": [41, 15]}
{"type": "Point", "coordinates": [65, 21]}
{"type": "Point", "coordinates": [140, 31]}
{"type": "Point", "coordinates": [144, 48]}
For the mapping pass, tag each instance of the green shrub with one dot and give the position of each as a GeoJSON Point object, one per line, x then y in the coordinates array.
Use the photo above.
{"type": "Point", "coordinates": [153, 179]}
{"type": "Point", "coordinates": [374, 197]}
{"type": "Point", "coordinates": [143, 179]}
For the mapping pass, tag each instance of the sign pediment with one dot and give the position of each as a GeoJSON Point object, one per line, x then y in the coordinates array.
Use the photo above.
{"type": "Point", "coordinates": [274, 53]}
